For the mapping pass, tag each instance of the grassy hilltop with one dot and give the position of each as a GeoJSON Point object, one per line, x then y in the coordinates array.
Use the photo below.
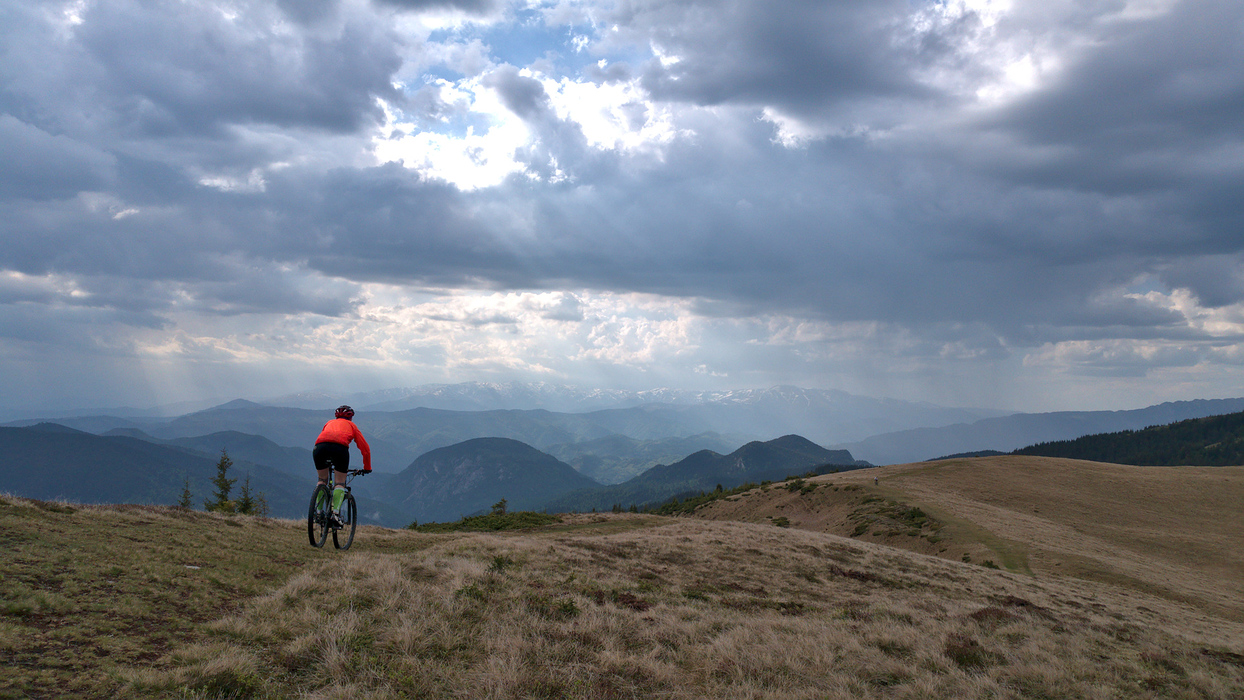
{"type": "Point", "coordinates": [147, 601]}
{"type": "Point", "coordinates": [1174, 532]}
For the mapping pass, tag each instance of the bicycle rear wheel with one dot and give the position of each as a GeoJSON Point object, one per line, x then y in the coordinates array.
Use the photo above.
{"type": "Point", "coordinates": [343, 536]}
{"type": "Point", "coordinates": [317, 515]}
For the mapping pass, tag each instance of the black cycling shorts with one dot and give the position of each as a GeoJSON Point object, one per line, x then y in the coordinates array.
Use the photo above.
{"type": "Point", "coordinates": [331, 454]}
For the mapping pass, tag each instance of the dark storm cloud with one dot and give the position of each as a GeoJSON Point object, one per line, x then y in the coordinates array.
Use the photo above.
{"type": "Point", "coordinates": [1148, 121]}
{"type": "Point", "coordinates": [142, 72]}
{"type": "Point", "coordinates": [808, 56]}
{"type": "Point", "coordinates": [307, 11]}
{"type": "Point", "coordinates": [167, 157]}
{"type": "Point", "coordinates": [1217, 280]}
{"type": "Point", "coordinates": [110, 119]}
{"type": "Point", "coordinates": [37, 165]}
{"type": "Point", "coordinates": [1146, 84]}
{"type": "Point", "coordinates": [191, 69]}
{"type": "Point", "coordinates": [522, 95]}
{"type": "Point", "coordinates": [478, 7]}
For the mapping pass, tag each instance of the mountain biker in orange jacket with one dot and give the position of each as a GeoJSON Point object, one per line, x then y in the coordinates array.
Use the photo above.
{"type": "Point", "coordinates": [332, 451]}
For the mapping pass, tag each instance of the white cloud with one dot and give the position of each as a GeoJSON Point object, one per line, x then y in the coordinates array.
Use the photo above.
{"type": "Point", "coordinates": [617, 115]}
{"type": "Point", "coordinates": [470, 160]}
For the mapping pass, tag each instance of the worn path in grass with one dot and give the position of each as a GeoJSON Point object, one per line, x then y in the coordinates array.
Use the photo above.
{"type": "Point", "coordinates": [1170, 531]}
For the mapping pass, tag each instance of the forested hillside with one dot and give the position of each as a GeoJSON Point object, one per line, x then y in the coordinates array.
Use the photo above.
{"type": "Point", "coordinates": [1213, 442]}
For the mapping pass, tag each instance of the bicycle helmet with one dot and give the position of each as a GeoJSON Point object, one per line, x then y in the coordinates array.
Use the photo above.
{"type": "Point", "coordinates": [344, 411]}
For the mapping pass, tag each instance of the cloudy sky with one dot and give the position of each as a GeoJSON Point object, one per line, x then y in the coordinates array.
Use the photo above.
{"type": "Point", "coordinates": [1003, 203]}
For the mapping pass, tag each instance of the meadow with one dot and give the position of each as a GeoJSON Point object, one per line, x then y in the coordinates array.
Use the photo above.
{"type": "Point", "coordinates": [158, 602]}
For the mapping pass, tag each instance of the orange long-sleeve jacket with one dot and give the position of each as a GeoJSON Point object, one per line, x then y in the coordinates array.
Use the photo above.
{"type": "Point", "coordinates": [342, 431]}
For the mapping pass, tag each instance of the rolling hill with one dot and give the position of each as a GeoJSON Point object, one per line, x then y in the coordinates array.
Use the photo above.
{"type": "Point", "coordinates": [617, 458]}
{"type": "Point", "coordinates": [51, 462]}
{"type": "Point", "coordinates": [705, 470]}
{"type": "Point", "coordinates": [1213, 441]}
{"type": "Point", "coordinates": [257, 449]}
{"type": "Point", "coordinates": [1171, 532]}
{"type": "Point", "coordinates": [462, 479]}
{"type": "Point", "coordinates": [1013, 432]}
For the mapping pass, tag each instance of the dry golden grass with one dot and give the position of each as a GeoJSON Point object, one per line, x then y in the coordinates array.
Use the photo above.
{"type": "Point", "coordinates": [690, 609]}
{"type": "Point", "coordinates": [86, 591]}
{"type": "Point", "coordinates": [1171, 531]}
{"type": "Point", "coordinates": [99, 602]}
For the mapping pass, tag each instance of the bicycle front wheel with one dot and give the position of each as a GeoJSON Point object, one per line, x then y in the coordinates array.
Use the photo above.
{"type": "Point", "coordinates": [318, 515]}
{"type": "Point", "coordinates": [343, 536]}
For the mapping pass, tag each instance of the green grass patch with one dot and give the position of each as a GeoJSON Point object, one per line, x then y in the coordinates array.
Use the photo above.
{"type": "Point", "coordinates": [495, 522]}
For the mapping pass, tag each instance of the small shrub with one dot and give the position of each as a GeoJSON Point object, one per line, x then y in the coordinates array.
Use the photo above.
{"type": "Point", "coordinates": [782, 521]}
{"type": "Point", "coordinates": [967, 653]}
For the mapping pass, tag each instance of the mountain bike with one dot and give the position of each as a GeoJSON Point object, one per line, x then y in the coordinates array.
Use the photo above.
{"type": "Point", "coordinates": [320, 520]}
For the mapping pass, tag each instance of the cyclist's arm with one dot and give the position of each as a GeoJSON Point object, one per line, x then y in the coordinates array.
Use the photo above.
{"type": "Point", "coordinates": [363, 447]}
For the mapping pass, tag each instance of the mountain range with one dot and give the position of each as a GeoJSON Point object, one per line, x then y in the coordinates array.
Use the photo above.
{"type": "Point", "coordinates": [585, 460]}
{"type": "Point", "coordinates": [54, 462]}
{"type": "Point", "coordinates": [824, 416]}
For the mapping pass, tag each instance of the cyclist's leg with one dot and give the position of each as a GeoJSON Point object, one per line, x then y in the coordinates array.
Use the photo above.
{"type": "Point", "coordinates": [336, 456]}
{"type": "Point", "coordinates": [323, 456]}
{"type": "Point", "coordinates": [339, 493]}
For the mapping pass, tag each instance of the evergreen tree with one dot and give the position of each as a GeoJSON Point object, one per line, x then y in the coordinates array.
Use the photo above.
{"type": "Point", "coordinates": [247, 505]}
{"type": "Point", "coordinates": [499, 507]}
{"type": "Point", "coordinates": [220, 501]}
{"type": "Point", "coordinates": [186, 497]}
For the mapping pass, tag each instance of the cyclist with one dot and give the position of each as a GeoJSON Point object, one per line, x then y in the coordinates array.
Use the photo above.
{"type": "Point", "coordinates": [332, 451]}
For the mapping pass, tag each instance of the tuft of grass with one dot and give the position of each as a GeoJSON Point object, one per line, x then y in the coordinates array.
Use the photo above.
{"type": "Point", "coordinates": [967, 653]}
